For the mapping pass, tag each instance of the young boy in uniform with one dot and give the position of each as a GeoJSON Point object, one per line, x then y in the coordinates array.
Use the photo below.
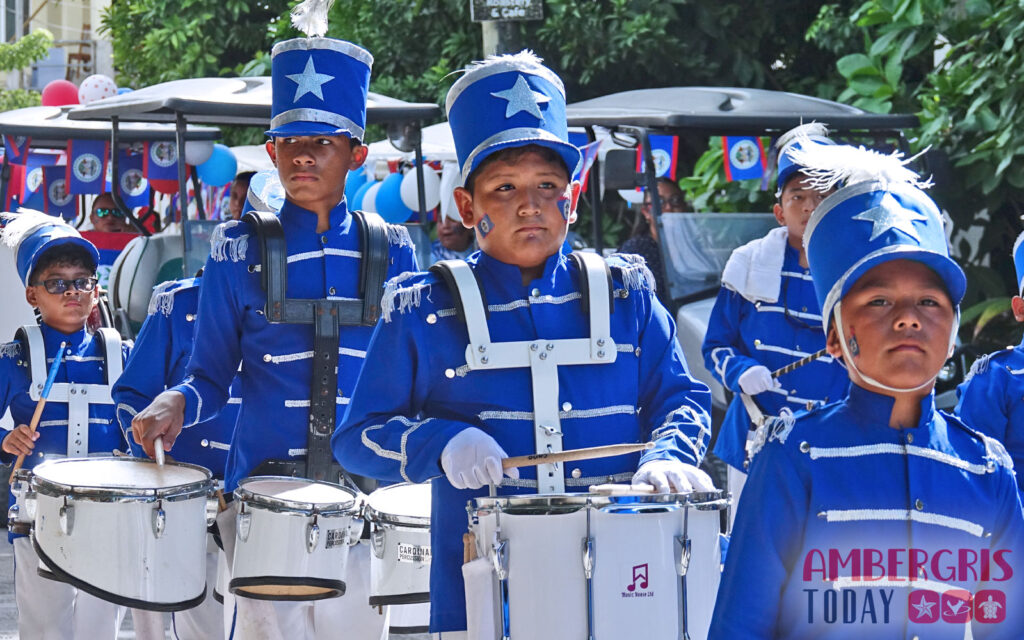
{"type": "Point", "coordinates": [422, 411]}
{"type": "Point", "coordinates": [319, 113]}
{"type": "Point", "coordinates": [158, 359]}
{"type": "Point", "coordinates": [58, 268]}
{"type": "Point", "coordinates": [877, 515]}
{"type": "Point", "coordinates": [992, 394]}
{"type": "Point", "coordinates": [766, 317]}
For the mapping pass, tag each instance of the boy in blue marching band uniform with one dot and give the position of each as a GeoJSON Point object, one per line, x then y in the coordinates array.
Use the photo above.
{"type": "Point", "coordinates": [58, 268]}
{"type": "Point", "coordinates": [474, 361]}
{"type": "Point", "coordinates": [877, 515]}
{"type": "Point", "coordinates": [158, 359]}
{"type": "Point", "coordinates": [992, 394]}
{"type": "Point", "coordinates": [766, 317]}
{"type": "Point", "coordinates": [284, 425]}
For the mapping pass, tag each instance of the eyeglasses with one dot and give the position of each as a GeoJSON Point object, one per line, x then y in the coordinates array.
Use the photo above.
{"type": "Point", "coordinates": [60, 285]}
{"type": "Point", "coordinates": [103, 212]}
{"type": "Point", "coordinates": [675, 202]}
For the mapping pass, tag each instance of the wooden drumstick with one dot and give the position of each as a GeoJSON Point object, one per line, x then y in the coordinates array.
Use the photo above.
{"type": "Point", "coordinates": [792, 366]}
{"type": "Point", "coordinates": [34, 423]}
{"type": "Point", "coordinates": [468, 547]}
{"type": "Point", "coordinates": [587, 453]}
{"type": "Point", "coordinates": [158, 450]}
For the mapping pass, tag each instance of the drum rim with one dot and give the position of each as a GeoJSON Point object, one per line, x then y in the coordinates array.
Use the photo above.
{"type": "Point", "coordinates": [386, 517]}
{"type": "Point", "coordinates": [277, 505]}
{"type": "Point", "coordinates": [707, 500]}
{"type": "Point", "coordinates": [93, 493]}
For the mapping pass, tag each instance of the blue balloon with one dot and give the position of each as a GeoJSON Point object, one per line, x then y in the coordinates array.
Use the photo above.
{"type": "Point", "coordinates": [389, 200]}
{"type": "Point", "coordinates": [356, 202]}
{"type": "Point", "coordinates": [123, 90]}
{"type": "Point", "coordinates": [353, 182]}
{"type": "Point", "coordinates": [220, 169]}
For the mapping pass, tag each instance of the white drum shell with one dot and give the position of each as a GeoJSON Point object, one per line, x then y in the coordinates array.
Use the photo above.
{"type": "Point", "coordinates": [113, 547]}
{"type": "Point", "coordinates": [23, 509]}
{"type": "Point", "coordinates": [548, 588]}
{"type": "Point", "coordinates": [400, 562]}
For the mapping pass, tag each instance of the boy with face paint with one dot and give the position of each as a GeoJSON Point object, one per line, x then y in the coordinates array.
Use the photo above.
{"type": "Point", "coordinates": [991, 397]}
{"type": "Point", "coordinates": [58, 269]}
{"type": "Point", "coordinates": [428, 408]}
{"type": "Point", "coordinates": [861, 518]}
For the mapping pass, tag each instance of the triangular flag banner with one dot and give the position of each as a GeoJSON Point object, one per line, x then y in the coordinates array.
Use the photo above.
{"type": "Point", "coordinates": [58, 201]}
{"type": "Point", "coordinates": [744, 157]}
{"type": "Point", "coordinates": [161, 166]}
{"type": "Point", "coordinates": [589, 153]}
{"type": "Point", "coordinates": [33, 195]}
{"type": "Point", "coordinates": [15, 186]}
{"type": "Point", "coordinates": [132, 184]}
{"type": "Point", "coordinates": [16, 148]}
{"type": "Point", "coordinates": [665, 150]}
{"type": "Point", "coordinates": [87, 169]}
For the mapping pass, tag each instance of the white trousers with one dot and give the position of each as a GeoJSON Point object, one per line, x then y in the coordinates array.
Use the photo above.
{"type": "Point", "coordinates": [349, 617]}
{"type": "Point", "coordinates": [53, 610]}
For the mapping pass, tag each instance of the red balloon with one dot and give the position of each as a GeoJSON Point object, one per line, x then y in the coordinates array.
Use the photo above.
{"type": "Point", "coordinates": [59, 93]}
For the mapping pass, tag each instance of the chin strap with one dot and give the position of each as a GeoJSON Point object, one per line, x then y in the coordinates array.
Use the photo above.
{"type": "Point", "coordinates": [850, 364]}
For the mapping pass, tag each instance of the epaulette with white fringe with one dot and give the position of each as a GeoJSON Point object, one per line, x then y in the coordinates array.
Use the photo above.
{"type": "Point", "coordinates": [10, 349]}
{"type": "Point", "coordinates": [635, 274]}
{"type": "Point", "coordinates": [401, 298]}
{"type": "Point", "coordinates": [162, 299]}
{"type": "Point", "coordinates": [773, 429]}
{"type": "Point", "coordinates": [223, 247]}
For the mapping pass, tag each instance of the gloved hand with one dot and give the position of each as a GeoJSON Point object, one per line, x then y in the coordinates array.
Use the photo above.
{"type": "Point", "coordinates": [673, 476]}
{"type": "Point", "coordinates": [757, 379]}
{"type": "Point", "coordinates": [472, 459]}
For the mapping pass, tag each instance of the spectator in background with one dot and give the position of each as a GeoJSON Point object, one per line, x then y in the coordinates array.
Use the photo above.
{"type": "Point", "coordinates": [106, 217]}
{"type": "Point", "coordinates": [454, 241]}
{"type": "Point", "coordinates": [239, 189]}
{"type": "Point", "coordinates": [644, 241]}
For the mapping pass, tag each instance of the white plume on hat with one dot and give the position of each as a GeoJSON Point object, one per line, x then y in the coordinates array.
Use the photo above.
{"type": "Point", "coordinates": [803, 131]}
{"type": "Point", "coordinates": [829, 166]}
{"type": "Point", "coordinates": [310, 17]}
{"type": "Point", "coordinates": [21, 224]}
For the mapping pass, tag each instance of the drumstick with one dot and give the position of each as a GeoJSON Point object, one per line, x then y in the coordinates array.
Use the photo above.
{"type": "Point", "coordinates": [587, 453]}
{"type": "Point", "coordinates": [34, 423]}
{"type": "Point", "coordinates": [468, 547]}
{"type": "Point", "coordinates": [158, 450]}
{"type": "Point", "coordinates": [799, 363]}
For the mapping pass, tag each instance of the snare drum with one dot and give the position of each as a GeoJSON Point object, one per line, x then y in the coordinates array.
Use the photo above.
{"type": "Point", "coordinates": [19, 516]}
{"type": "Point", "coordinates": [125, 529]}
{"type": "Point", "coordinates": [616, 566]}
{"type": "Point", "coordinates": [399, 518]}
{"type": "Point", "coordinates": [293, 538]}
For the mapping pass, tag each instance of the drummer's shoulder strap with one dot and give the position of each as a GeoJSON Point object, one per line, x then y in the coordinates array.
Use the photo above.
{"type": "Point", "coordinates": [30, 337]}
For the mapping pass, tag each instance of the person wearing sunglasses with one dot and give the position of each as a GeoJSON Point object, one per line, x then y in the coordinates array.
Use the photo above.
{"type": "Point", "coordinates": [644, 241]}
{"type": "Point", "coordinates": [107, 217]}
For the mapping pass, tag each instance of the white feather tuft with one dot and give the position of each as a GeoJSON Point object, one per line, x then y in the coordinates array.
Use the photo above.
{"type": "Point", "coordinates": [310, 17]}
{"type": "Point", "coordinates": [525, 59]}
{"type": "Point", "coordinates": [810, 130]}
{"type": "Point", "coordinates": [830, 166]}
{"type": "Point", "coordinates": [22, 223]}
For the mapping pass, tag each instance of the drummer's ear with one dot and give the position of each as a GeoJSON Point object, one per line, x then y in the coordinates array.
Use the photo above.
{"type": "Point", "coordinates": [272, 151]}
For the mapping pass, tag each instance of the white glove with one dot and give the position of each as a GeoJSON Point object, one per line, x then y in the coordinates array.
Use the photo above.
{"type": "Point", "coordinates": [673, 476]}
{"type": "Point", "coordinates": [472, 459]}
{"type": "Point", "coordinates": [757, 379]}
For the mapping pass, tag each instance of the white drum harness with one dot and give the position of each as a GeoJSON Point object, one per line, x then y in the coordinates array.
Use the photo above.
{"type": "Point", "coordinates": [542, 356]}
{"type": "Point", "coordinates": [78, 396]}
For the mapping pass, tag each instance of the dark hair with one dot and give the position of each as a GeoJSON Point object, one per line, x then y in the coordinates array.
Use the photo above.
{"type": "Point", "coordinates": [511, 155]}
{"type": "Point", "coordinates": [64, 255]}
{"type": "Point", "coordinates": [245, 176]}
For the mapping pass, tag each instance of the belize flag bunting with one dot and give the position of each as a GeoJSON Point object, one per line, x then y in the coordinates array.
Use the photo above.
{"type": "Point", "coordinates": [58, 201]}
{"type": "Point", "coordinates": [109, 246]}
{"type": "Point", "coordinates": [32, 195]}
{"type": "Point", "coordinates": [15, 187]}
{"type": "Point", "coordinates": [88, 166]}
{"type": "Point", "coordinates": [132, 184]}
{"type": "Point", "coordinates": [744, 157]}
{"type": "Point", "coordinates": [665, 150]}
{"type": "Point", "coordinates": [161, 166]}
{"type": "Point", "coordinates": [589, 153]}
{"type": "Point", "coordinates": [16, 148]}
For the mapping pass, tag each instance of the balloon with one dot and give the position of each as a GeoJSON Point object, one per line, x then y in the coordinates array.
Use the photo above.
{"type": "Point", "coordinates": [59, 93]}
{"type": "Point", "coordinates": [356, 203]}
{"type": "Point", "coordinates": [353, 182]}
{"type": "Point", "coordinates": [198, 151]}
{"type": "Point", "coordinates": [123, 90]}
{"type": "Point", "coordinates": [369, 203]}
{"type": "Point", "coordinates": [389, 200]}
{"type": "Point", "coordinates": [220, 169]}
{"type": "Point", "coordinates": [431, 189]}
{"type": "Point", "coordinates": [632, 196]}
{"type": "Point", "coordinates": [96, 87]}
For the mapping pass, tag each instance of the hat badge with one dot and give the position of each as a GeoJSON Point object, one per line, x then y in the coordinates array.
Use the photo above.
{"type": "Point", "coordinates": [309, 81]}
{"type": "Point", "coordinates": [521, 97]}
{"type": "Point", "coordinates": [890, 214]}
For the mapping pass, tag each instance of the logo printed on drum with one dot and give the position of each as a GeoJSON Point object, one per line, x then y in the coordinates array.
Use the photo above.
{"type": "Point", "coordinates": [413, 552]}
{"type": "Point", "coordinates": [638, 583]}
{"type": "Point", "coordinates": [335, 538]}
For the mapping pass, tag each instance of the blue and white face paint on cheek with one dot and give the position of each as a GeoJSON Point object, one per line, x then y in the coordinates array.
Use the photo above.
{"type": "Point", "coordinates": [565, 205]}
{"type": "Point", "coordinates": [485, 226]}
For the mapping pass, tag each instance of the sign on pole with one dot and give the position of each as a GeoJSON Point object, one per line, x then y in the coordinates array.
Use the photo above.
{"type": "Point", "coordinates": [506, 10]}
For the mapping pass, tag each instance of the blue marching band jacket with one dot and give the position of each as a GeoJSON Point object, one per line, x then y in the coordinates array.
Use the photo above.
{"type": "Point", "coordinates": [742, 334]}
{"type": "Point", "coordinates": [158, 359]}
{"type": "Point", "coordinates": [436, 367]}
{"type": "Point", "coordinates": [276, 358]}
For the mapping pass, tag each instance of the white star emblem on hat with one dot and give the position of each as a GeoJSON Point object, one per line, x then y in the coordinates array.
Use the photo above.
{"type": "Point", "coordinates": [522, 98]}
{"type": "Point", "coordinates": [890, 214]}
{"type": "Point", "coordinates": [309, 81]}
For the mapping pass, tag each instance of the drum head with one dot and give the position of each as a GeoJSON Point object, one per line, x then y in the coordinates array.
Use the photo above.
{"type": "Point", "coordinates": [119, 473]}
{"type": "Point", "coordinates": [412, 500]}
{"type": "Point", "coordinates": [296, 493]}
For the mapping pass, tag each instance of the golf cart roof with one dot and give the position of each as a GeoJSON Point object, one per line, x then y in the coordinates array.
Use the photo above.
{"type": "Point", "coordinates": [50, 127]}
{"type": "Point", "coordinates": [725, 110]}
{"type": "Point", "coordinates": [227, 101]}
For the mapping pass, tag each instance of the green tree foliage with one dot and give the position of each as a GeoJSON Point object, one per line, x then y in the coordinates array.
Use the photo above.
{"type": "Point", "coordinates": [159, 40]}
{"type": "Point", "coordinates": [18, 55]}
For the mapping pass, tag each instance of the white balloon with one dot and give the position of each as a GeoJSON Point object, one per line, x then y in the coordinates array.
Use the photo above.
{"type": "Point", "coordinates": [431, 189]}
{"type": "Point", "coordinates": [198, 151]}
{"type": "Point", "coordinates": [370, 199]}
{"type": "Point", "coordinates": [96, 87]}
{"type": "Point", "coordinates": [632, 196]}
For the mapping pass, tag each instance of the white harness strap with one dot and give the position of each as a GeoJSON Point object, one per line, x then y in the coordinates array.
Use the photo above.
{"type": "Point", "coordinates": [542, 356]}
{"type": "Point", "coordinates": [77, 396]}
